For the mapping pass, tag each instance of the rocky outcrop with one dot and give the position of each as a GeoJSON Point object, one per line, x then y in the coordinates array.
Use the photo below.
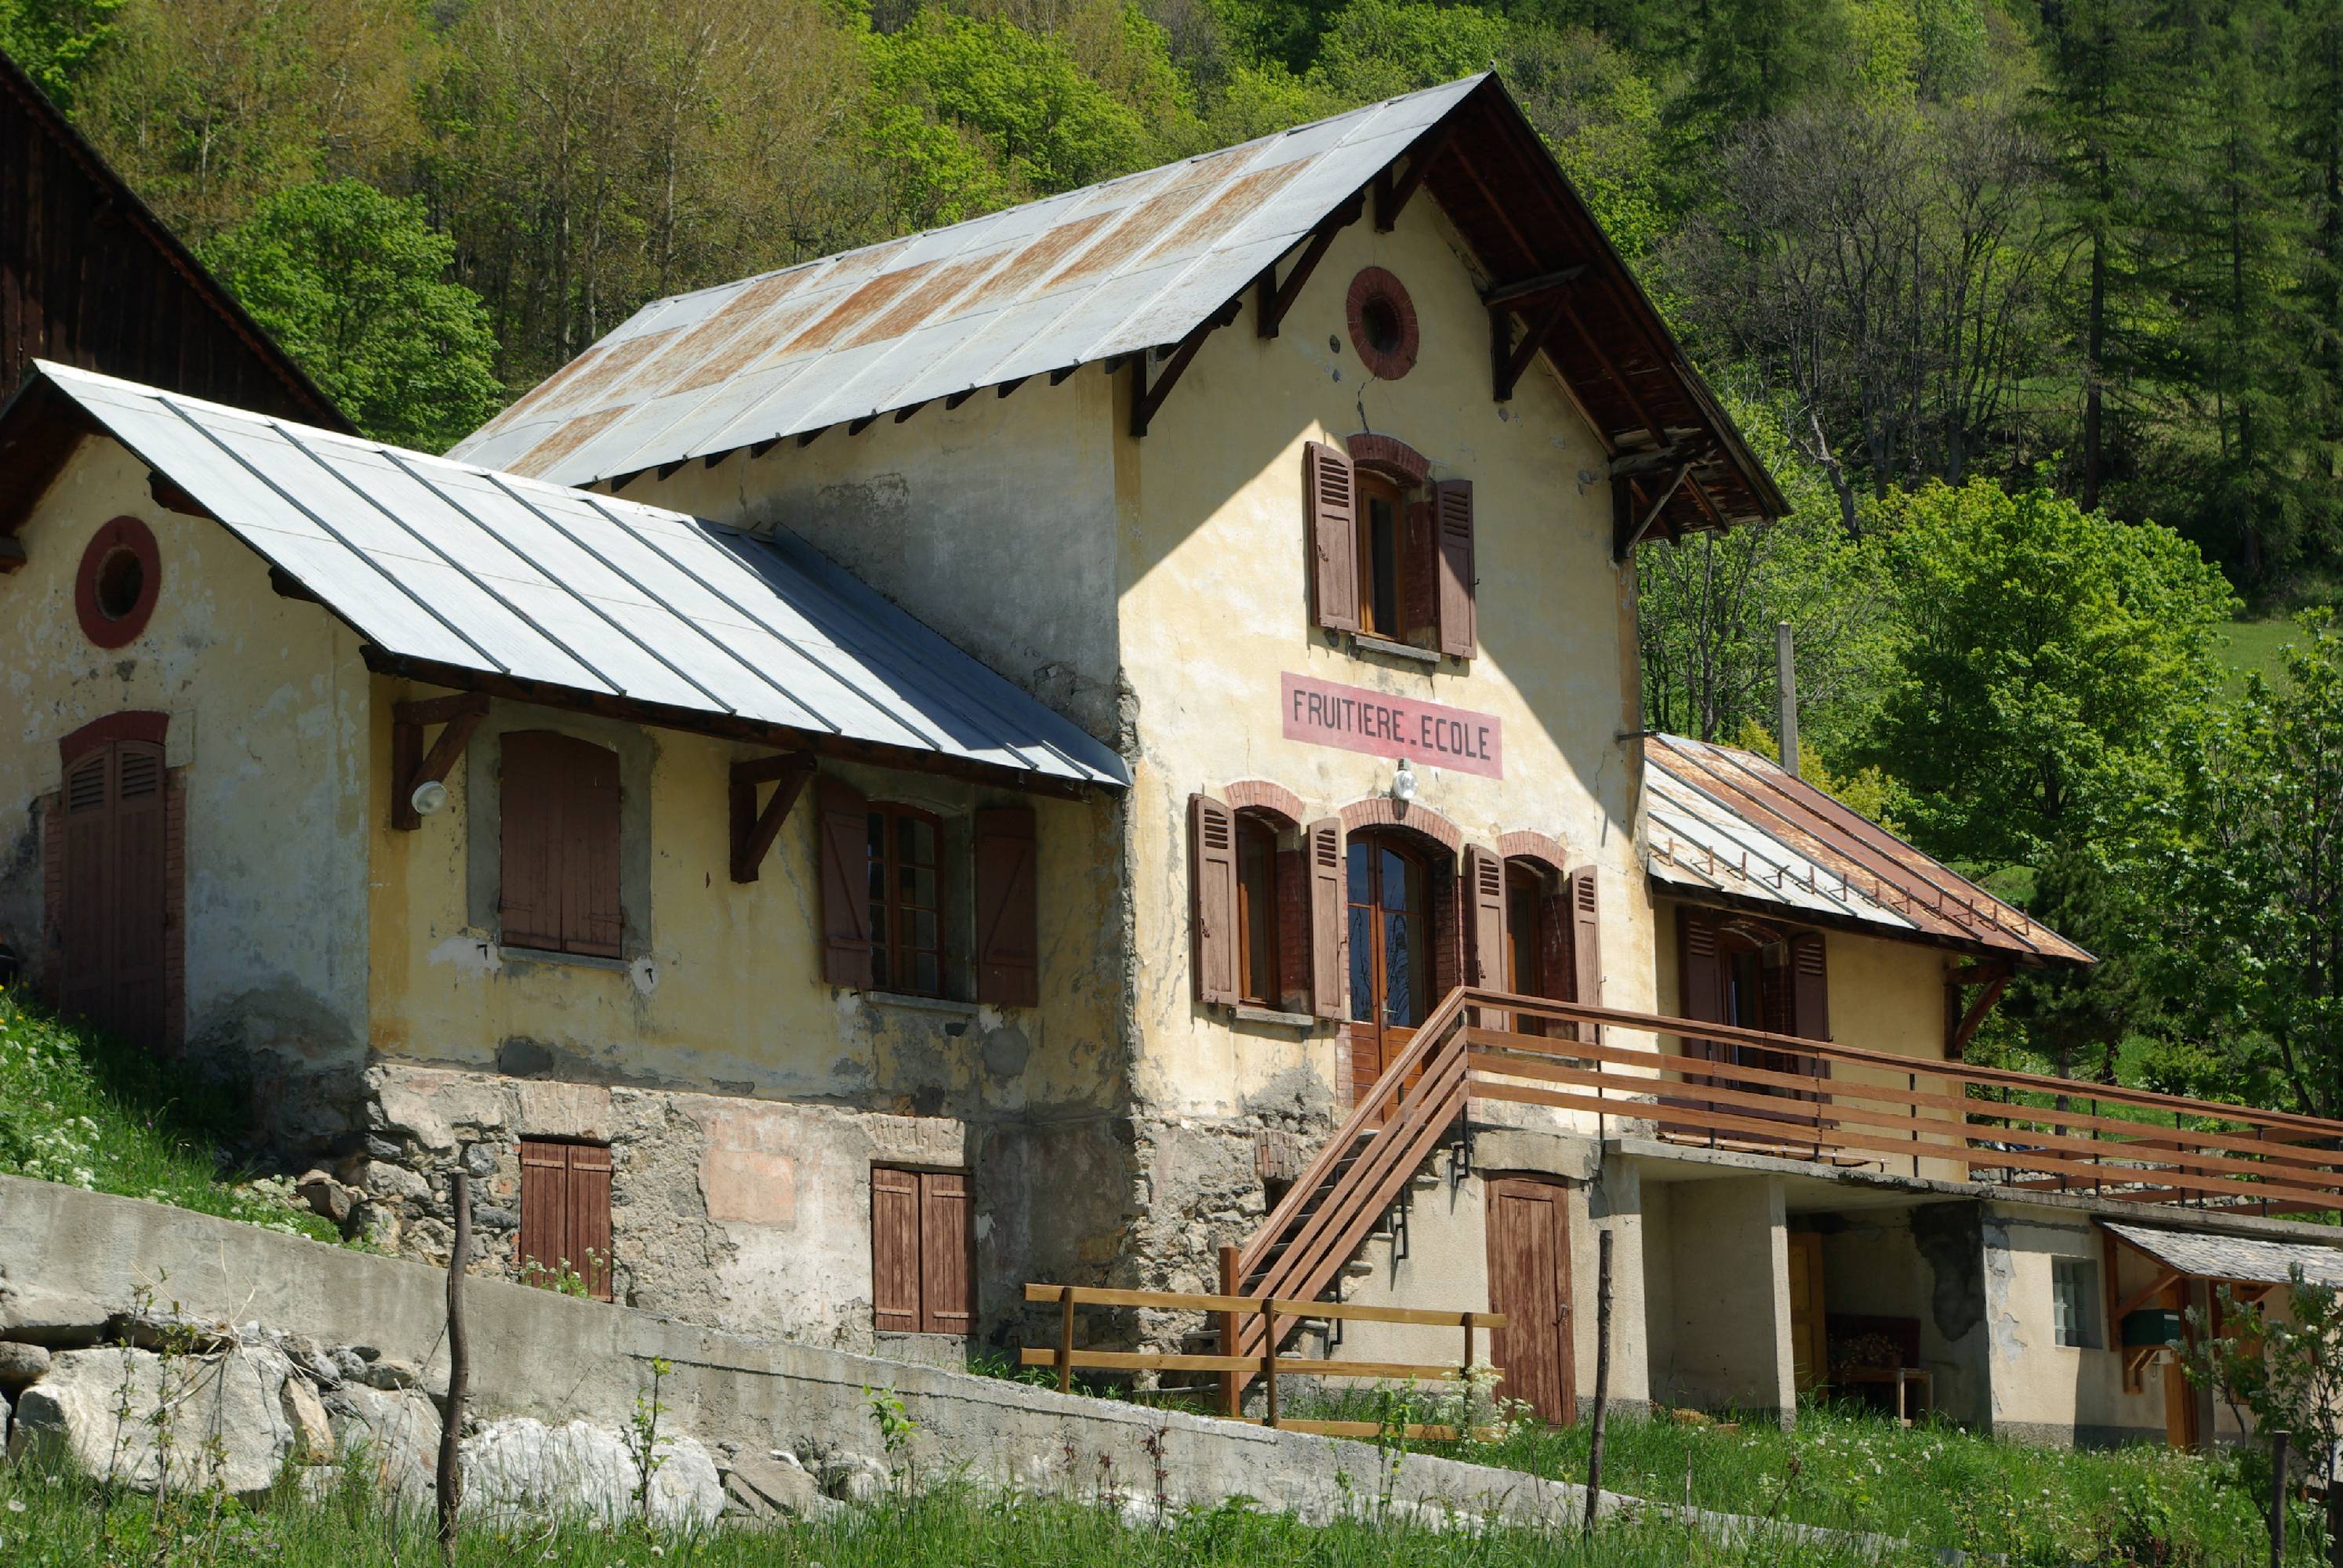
{"type": "Point", "coordinates": [151, 1422]}
{"type": "Point", "coordinates": [525, 1468]}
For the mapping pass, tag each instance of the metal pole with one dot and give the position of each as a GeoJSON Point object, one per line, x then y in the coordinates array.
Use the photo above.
{"type": "Point", "coordinates": [450, 1479]}
{"type": "Point", "coordinates": [1601, 1373]}
{"type": "Point", "coordinates": [1785, 675]}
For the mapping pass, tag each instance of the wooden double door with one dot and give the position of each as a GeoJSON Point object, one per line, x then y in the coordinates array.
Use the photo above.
{"type": "Point", "coordinates": [113, 913]}
{"type": "Point", "coordinates": [1389, 885]}
{"type": "Point", "coordinates": [1528, 1226]}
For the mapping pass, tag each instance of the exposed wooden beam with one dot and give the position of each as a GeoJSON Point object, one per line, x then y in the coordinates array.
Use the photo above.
{"type": "Point", "coordinates": [410, 766]}
{"type": "Point", "coordinates": [903, 414]}
{"type": "Point", "coordinates": [1276, 299]}
{"type": "Point", "coordinates": [1006, 387]}
{"type": "Point", "coordinates": [761, 447]}
{"type": "Point", "coordinates": [284, 585]}
{"type": "Point", "coordinates": [1522, 290]}
{"type": "Point", "coordinates": [667, 470]}
{"type": "Point", "coordinates": [1391, 195]}
{"type": "Point", "coordinates": [807, 438]}
{"type": "Point", "coordinates": [1631, 465]}
{"type": "Point", "coordinates": [1620, 548]}
{"type": "Point", "coordinates": [1993, 983]}
{"type": "Point", "coordinates": [754, 830]}
{"type": "Point", "coordinates": [1509, 360]}
{"type": "Point", "coordinates": [1611, 369]}
{"type": "Point", "coordinates": [1058, 377]}
{"type": "Point", "coordinates": [1147, 397]}
{"type": "Point", "coordinates": [955, 399]}
{"type": "Point", "coordinates": [169, 494]}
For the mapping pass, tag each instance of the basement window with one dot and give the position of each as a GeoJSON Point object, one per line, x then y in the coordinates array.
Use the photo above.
{"type": "Point", "coordinates": [2075, 1303]}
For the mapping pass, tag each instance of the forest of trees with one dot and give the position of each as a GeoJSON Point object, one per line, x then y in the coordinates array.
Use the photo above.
{"type": "Point", "coordinates": [2034, 307]}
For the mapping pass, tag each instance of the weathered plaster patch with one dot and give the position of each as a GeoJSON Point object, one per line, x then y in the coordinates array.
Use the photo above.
{"type": "Point", "coordinates": [471, 954]}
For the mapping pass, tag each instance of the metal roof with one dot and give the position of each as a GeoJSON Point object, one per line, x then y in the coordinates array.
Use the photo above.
{"type": "Point", "coordinates": [1724, 825]}
{"type": "Point", "coordinates": [455, 572]}
{"type": "Point", "coordinates": [2245, 1259]}
{"type": "Point", "coordinates": [1134, 263]}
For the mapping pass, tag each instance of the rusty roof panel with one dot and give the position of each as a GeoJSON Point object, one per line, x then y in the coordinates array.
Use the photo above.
{"type": "Point", "coordinates": [1727, 824]}
{"type": "Point", "coordinates": [1088, 275]}
{"type": "Point", "coordinates": [491, 575]}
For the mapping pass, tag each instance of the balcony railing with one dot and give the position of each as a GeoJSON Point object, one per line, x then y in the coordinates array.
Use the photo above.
{"type": "Point", "coordinates": [1717, 1086]}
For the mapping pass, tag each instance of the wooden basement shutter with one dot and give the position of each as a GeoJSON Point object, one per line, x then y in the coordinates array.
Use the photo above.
{"type": "Point", "coordinates": [558, 805]}
{"type": "Point", "coordinates": [1331, 490]}
{"type": "Point", "coordinates": [1809, 987]}
{"type": "Point", "coordinates": [1452, 500]}
{"type": "Point", "coordinates": [845, 837]}
{"type": "Point", "coordinates": [1330, 919]}
{"type": "Point", "coordinates": [1008, 932]}
{"type": "Point", "coordinates": [1213, 904]}
{"type": "Point", "coordinates": [922, 1242]}
{"type": "Point", "coordinates": [565, 1213]}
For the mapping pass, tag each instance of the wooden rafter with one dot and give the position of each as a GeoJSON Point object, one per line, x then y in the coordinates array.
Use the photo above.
{"type": "Point", "coordinates": [1391, 195]}
{"type": "Point", "coordinates": [1510, 360]}
{"type": "Point", "coordinates": [1993, 978]}
{"type": "Point", "coordinates": [1147, 397]}
{"type": "Point", "coordinates": [1522, 291]}
{"type": "Point", "coordinates": [1276, 299]}
{"type": "Point", "coordinates": [410, 766]}
{"type": "Point", "coordinates": [1623, 547]}
{"type": "Point", "coordinates": [754, 830]}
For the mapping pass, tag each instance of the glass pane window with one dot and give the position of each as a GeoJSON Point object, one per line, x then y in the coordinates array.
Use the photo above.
{"type": "Point", "coordinates": [1257, 980]}
{"type": "Point", "coordinates": [1380, 556]}
{"type": "Point", "coordinates": [2075, 1303]}
{"type": "Point", "coordinates": [906, 906]}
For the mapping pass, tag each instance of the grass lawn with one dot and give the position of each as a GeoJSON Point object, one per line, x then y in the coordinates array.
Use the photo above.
{"type": "Point", "coordinates": [46, 1523]}
{"type": "Point", "coordinates": [2254, 646]}
{"type": "Point", "coordinates": [90, 1112]}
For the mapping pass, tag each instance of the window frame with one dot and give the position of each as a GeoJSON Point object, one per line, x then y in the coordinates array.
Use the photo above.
{"type": "Point", "coordinates": [889, 948]}
{"type": "Point", "coordinates": [1263, 988]}
{"type": "Point", "coordinates": [1371, 484]}
{"type": "Point", "coordinates": [2075, 1325]}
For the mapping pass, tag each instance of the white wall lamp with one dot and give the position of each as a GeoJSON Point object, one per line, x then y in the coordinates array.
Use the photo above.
{"type": "Point", "coordinates": [430, 799]}
{"type": "Point", "coordinates": [1403, 783]}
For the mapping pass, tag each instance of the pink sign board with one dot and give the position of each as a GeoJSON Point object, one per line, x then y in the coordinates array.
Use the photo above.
{"type": "Point", "coordinates": [1382, 725]}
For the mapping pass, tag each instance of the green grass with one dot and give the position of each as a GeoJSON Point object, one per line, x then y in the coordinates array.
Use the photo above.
{"type": "Point", "coordinates": [88, 1110]}
{"type": "Point", "coordinates": [2254, 646]}
{"type": "Point", "coordinates": [49, 1523]}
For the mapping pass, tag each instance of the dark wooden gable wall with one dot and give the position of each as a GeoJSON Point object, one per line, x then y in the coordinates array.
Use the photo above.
{"type": "Point", "coordinates": [90, 277]}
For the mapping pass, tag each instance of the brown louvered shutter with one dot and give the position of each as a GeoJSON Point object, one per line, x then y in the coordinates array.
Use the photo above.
{"type": "Point", "coordinates": [1420, 574]}
{"type": "Point", "coordinates": [136, 1010]}
{"type": "Point", "coordinates": [1703, 975]}
{"type": "Point", "coordinates": [1586, 937]}
{"type": "Point", "coordinates": [528, 788]}
{"type": "Point", "coordinates": [1212, 850]}
{"type": "Point", "coordinates": [87, 915]}
{"type": "Point", "coordinates": [947, 1236]}
{"type": "Point", "coordinates": [543, 1207]}
{"type": "Point", "coordinates": [894, 1250]}
{"type": "Point", "coordinates": [1008, 932]}
{"type": "Point", "coordinates": [845, 837]}
{"type": "Point", "coordinates": [1330, 919]}
{"type": "Point", "coordinates": [591, 918]}
{"type": "Point", "coordinates": [1485, 880]}
{"type": "Point", "coordinates": [589, 1216]}
{"type": "Point", "coordinates": [1809, 987]}
{"type": "Point", "coordinates": [1332, 491]}
{"type": "Point", "coordinates": [1452, 500]}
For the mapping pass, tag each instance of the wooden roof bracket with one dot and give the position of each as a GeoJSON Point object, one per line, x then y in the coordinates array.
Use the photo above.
{"type": "Point", "coordinates": [1509, 360]}
{"type": "Point", "coordinates": [1627, 532]}
{"type": "Point", "coordinates": [1276, 299]}
{"type": "Point", "coordinates": [754, 830]}
{"type": "Point", "coordinates": [410, 766]}
{"type": "Point", "coordinates": [1993, 978]}
{"type": "Point", "coordinates": [1391, 195]}
{"type": "Point", "coordinates": [1146, 398]}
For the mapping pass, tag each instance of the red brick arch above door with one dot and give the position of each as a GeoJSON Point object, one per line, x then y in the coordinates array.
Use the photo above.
{"type": "Point", "coordinates": [1261, 795]}
{"type": "Point", "coordinates": [1382, 811]}
{"type": "Point", "coordinates": [1528, 844]}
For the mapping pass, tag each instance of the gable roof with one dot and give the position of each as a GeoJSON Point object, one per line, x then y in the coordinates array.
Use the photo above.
{"type": "Point", "coordinates": [89, 277]}
{"type": "Point", "coordinates": [1118, 268]}
{"type": "Point", "coordinates": [1726, 827]}
{"type": "Point", "coordinates": [484, 581]}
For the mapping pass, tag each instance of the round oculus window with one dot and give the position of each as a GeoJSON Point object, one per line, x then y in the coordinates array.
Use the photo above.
{"type": "Point", "coordinates": [1383, 323]}
{"type": "Point", "coordinates": [116, 585]}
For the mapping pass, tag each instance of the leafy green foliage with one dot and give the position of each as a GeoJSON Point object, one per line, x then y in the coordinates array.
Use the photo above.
{"type": "Point", "coordinates": [355, 284]}
{"type": "Point", "coordinates": [87, 1111]}
{"type": "Point", "coordinates": [55, 41]}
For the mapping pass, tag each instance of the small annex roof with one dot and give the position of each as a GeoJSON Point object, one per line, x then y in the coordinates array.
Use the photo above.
{"type": "Point", "coordinates": [1140, 263]}
{"type": "Point", "coordinates": [1726, 827]}
{"type": "Point", "coordinates": [484, 581]}
{"type": "Point", "coordinates": [2247, 1260]}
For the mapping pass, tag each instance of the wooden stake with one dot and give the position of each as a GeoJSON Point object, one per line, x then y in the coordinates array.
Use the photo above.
{"type": "Point", "coordinates": [1269, 1356]}
{"type": "Point", "coordinates": [459, 1368]}
{"type": "Point", "coordinates": [1231, 1384]}
{"type": "Point", "coordinates": [2278, 1500]}
{"type": "Point", "coordinates": [1602, 1374]}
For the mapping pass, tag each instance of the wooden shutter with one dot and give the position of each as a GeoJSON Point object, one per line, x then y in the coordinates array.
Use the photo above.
{"type": "Point", "coordinates": [1809, 987]}
{"type": "Point", "coordinates": [845, 836]}
{"type": "Point", "coordinates": [1419, 572]}
{"type": "Point", "coordinates": [589, 1216]}
{"type": "Point", "coordinates": [1586, 937]}
{"type": "Point", "coordinates": [1485, 883]}
{"type": "Point", "coordinates": [1330, 489]}
{"type": "Point", "coordinates": [894, 1250]}
{"type": "Point", "coordinates": [135, 1010]}
{"type": "Point", "coordinates": [1452, 500]}
{"type": "Point", "coordinates": [1330, 919]}
{"type": "Point", "coordinates": [591, 918]}
{"type": "Point", "coordinates": [544, 1205]}
{"type": "Point", "coordinates": [1212, 856]}
{"type": "Point", "coordinates": [1008, 935]}
{"type": "Point", "coordinates": [528, 792]}
{"type": "Point", "coordinates": [947, 1236]}
{"type": "Point", "coordinates": [1702, 974]}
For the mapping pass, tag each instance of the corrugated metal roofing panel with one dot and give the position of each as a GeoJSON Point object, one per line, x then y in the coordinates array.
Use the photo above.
{"type": "Point", "coordinates": [1125, 265]}
{"type": "Point", "coordinates": [449, 564]}
{"type": "Point", "coordinates": [1722, 821]}
{"type": "Point", "coordinates": [2248, 1259]}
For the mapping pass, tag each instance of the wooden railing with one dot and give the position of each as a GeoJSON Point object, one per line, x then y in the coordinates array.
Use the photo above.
{"type": "Point", "coordinates": [1783, 1095]}
{"type": "Point", "coordinates": [1270, 1320]}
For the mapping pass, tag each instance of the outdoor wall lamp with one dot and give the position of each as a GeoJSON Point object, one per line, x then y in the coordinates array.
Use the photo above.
{"type": "Point", "coordinates": [1404, 784]}
{"type": "Point", "coordinates": [430, 798]}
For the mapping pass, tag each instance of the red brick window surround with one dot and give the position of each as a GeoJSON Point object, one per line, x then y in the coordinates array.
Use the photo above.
{"type": "Point", "coordinates": [1384, 327]}
{"type": "Point", "coordinates": [117, 582]}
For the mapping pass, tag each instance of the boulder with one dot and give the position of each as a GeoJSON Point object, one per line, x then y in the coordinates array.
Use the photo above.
{"type": "Point", "coordinates": [759, 1486]}
{"type": "Point", "coordinates": [327, 1198]}
{"type": "Point", "coordinates": [228, 1427]}
{"type": "Point", "coordinates": [395, 1436]}
{"type": "Point", "coordinates": [391, 1372]}
{"type": "Point", "coordinates": [20, 1366]}
{"type": "Point", "coordinates": [313, 1434]}
{"type": "Point", "coordinates": [523, 1467]}
{"type": "Point", "coordinates": [854, 1478]}
{"type": "Point", "coordinates": [311, 1360]}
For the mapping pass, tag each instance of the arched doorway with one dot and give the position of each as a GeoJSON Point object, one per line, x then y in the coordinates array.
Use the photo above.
{"type": "Point", "coordinates": [1389, 882]}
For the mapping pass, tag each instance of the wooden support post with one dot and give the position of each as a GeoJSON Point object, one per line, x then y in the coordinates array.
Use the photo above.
{"type": "Point", "coordinates": [1601, 1373]}
{"type": "Point", "coordinates": [450, 1479]}
{"type": "Point", "coordinates": [1269, 1357]}
{"type": "Point", "coordinates": [1231, 1384]}
{"type": "Point", "coordinates": [411, 765]}
{"type": "Point", "coordinates": [1066, 1340]}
